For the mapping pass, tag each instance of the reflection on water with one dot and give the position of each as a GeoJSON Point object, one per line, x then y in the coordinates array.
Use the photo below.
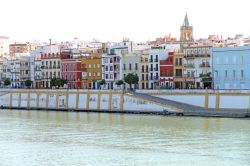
{"type": "Point", "coordinates": [69, 138]}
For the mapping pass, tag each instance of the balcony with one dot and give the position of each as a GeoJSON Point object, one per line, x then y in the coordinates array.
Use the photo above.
{"type": "Point", "coordinates": [156, 77]}
{"type": "Point", "coordinates": [189, 65]}
{"type": "Point", "coordinates": [38, 68]}
{"type": "Point", "coordinates": [25, 76]}
{"type": "Point", "coordinates": [204, 65]}
{"type": "Point", "coordinates": [24, 68]}
{"type": "Point", "coordinates": [190, 76]}
{"type": "Point", "coordinates": [191, 56]}
{"type": "Point", "coordinates": [155, 69]}
{"type": "Point", "coordinates": [38, 77]}
{"type": "Point", "coordinates": [205, 75]}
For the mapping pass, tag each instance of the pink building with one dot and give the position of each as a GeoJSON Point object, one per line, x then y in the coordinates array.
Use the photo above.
{"type": "Point", "coordinates": [71, 71]}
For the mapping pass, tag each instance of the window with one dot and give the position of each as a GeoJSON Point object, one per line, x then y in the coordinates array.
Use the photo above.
{"type": "Point", "coordinates": [234, 60]}
{"type": "Point", "coordinates": [136, 66]}
{"type": "Point", "coordinates": [176, 61]}
{"type": "Point", "coordinates": [107, 68]}
{"type": "Point", "coordinates": [242, 60]}
{"type": "Point", "coordinates": [216, 74]}
{"type": "Point", "coordinates": [226, 76]}
{"type": "Point", "coordinates": [107, 76]}
{"type": "Point", "coordinates": [124, 66]}
{"type": "Point", "coordinates": [98, 74]}
{"type": "Point", "coordinates": [111, 68]}
{"type": "Point", "coordinates": [93, 65]}
{"type": "Point", "coordinates": [142, 68]}
{"type": "Point", "coordinates": [98, 65]}
{"type": "Point", "coordinates": [217, 60]}
{"type": "Point", "coordinates": [130, 66]}
{"type": "Point", "coordinates": [226, 60]}
{"type": "Point", "coordinates": [89, 74]}
{"type": "Point", "coordinates": [142, 77]}
{"type": "Point", "coordinates": [180, 61]}
{"type": "Point", "coordinates": [178, 72]}
{"type": "Point", "coordinates": [89, 65]}
{"type": "Point", "coordinates": [111, 76]}
{"type": "Point", "coordinates": [242, 74]}
{"type": "Point", "coordinates": [234, 74]}
{"type": "Point", "coordinates": [94, 74]}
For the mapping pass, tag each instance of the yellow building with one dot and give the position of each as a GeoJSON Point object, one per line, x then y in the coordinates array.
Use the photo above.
{"type": "Point", "coordinates": [92, 72]}
{"type": "Point", "coordinates": [178, 70]}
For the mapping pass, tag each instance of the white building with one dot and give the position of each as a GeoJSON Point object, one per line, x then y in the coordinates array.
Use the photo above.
{"type": "Point", "coordinates": [155, 55]}
{"type": "Point", "coordinates": [197, 67]}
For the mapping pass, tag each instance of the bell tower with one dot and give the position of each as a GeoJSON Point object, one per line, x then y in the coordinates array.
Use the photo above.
{"type": "Point", "coordinates": [186, 31]}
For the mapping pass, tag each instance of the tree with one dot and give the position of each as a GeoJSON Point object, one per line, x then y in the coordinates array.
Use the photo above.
{"type": "Point", "coordinates": [119, 82]}
{"type": "Point", "coordinates": [28, 83]}
{"type": "Point", "coordinates": [131, 79]}
{"type": "Point", "coordinates": [6, 82]}
{"type": "Point", "coordinates": [102, 82]}
{"type": "Point", "coordinates": [57, 82]}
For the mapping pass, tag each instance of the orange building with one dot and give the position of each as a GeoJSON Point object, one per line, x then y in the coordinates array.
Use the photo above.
{"type": "Point", "coordinates": [91, 72]}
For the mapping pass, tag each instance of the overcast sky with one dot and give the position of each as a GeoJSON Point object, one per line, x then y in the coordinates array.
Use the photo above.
{"type": "Point", "coordinates": [112, 20]}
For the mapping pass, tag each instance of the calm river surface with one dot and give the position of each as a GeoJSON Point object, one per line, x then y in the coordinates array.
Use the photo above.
{"type": "Point", "coordinates": [68, 138]}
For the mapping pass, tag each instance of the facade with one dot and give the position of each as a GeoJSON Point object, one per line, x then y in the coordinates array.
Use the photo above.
{"type": "Point", "coordinates": [91, 72]}
{"type": "Point", "coordinates": [231, 67]}
{"type": "Point", "coordinates": [178, 70]}
{"type": "Point", "coordinates": [197, 67]}
{"type": "Point", "coordinates": [18, 69]}
{"type": "Point", "coordinates": [51, 64]}
{"type": "Point", "coordinates": [71, 72]}
{"type": "Point", "coordinates": [131, 65]}
{"type": "Point", "coordinates": [144, 71]}
{"type": "Point", "coordinates": [167, 72]}
{"type": "Point", "coordinates": [111, 69]}
{"type": "Point", "coordinates": [155, 55]}
{"type": "Point", "coordinates": [18, 48]}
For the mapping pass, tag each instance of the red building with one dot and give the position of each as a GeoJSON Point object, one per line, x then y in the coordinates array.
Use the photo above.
{"type": "Point", "coordinates": [167, 71]}
{"type": "Point", "coordinates": [71, 71]}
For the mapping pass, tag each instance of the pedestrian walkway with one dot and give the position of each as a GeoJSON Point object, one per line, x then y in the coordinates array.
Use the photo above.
{"type": "Point", "coordinates": [189, 109]}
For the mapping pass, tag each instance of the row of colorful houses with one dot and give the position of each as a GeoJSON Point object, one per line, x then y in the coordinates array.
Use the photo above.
{"type": "Point", "coordinates": [157, 67]}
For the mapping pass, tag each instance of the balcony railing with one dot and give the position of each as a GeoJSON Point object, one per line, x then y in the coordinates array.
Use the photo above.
{"type": "Point", "coordinates": [196, 55]}
{"type": "Point", "coordinates": [205, 65]}
{"type": "Point", "coordinates": [189, 65]}
{"type": "Point", "coordinates": [205, 75]}
{"type": "Point", "coordinates": [155, 69]}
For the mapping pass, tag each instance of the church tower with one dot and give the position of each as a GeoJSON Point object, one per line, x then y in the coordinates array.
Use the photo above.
{"type": "Point", "coordinates": [186, 31]}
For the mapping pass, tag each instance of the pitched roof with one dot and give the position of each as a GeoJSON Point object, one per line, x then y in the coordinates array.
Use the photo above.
{"type": "Point", "coordinates": [186, 22]}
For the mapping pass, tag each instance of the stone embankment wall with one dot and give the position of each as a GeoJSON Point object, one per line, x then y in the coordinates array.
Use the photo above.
{"type": "Point", "coordinates": [210, 99]}
{"type": "Point", "coordinates": [87, 100]}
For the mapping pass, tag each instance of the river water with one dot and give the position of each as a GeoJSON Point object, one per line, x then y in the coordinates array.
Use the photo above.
{"type": "Point", "coordinates": [69, 138]}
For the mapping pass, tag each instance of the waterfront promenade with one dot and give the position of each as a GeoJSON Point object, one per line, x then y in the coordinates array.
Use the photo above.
{"type": "Point", "coordinates": [172, 102]}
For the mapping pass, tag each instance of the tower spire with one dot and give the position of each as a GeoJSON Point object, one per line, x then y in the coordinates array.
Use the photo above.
{"type": "Point", "coordinates": [186, 22]}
